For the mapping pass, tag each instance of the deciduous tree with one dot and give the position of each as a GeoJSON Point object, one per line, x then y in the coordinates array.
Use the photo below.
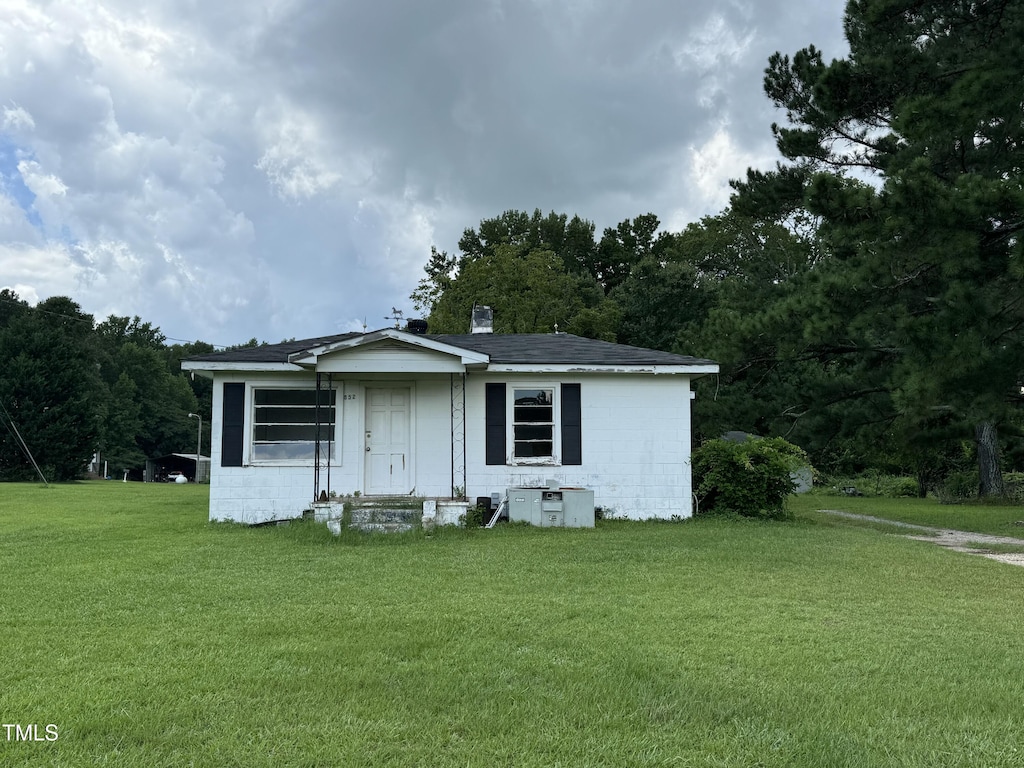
{"type": "Point", "coordinates": [50, 388]}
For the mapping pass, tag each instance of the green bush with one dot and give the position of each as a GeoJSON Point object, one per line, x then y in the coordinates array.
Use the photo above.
{"type": "Point", "coordinates": [476, 517]}
{"type": "Point", "coordinates": [871, 484]}
{"type": "Point", "coordinates": [750, 478]}
{"type": "Point", "coordinates": [905, 487]}
{"type": "Point", "coordinates": [959, 487]}
{"type": "Point", "coordinates": [1013, 483]}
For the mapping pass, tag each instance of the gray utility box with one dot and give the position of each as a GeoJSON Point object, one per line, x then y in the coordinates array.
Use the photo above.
{"type": "Point", "coordinates": [552, 507]}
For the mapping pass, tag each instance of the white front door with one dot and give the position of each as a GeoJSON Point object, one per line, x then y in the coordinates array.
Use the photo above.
{"type": "Point", "coordinates": [388, 467]}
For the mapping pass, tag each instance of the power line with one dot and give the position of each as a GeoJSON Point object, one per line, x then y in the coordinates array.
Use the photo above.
{"type": "Point", "coordinates": [13, 429]}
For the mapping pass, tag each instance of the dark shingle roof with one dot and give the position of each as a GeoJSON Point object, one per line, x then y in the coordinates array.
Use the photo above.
{"type": "Point", "coordinates": [511, 348]}
{"type": "Point", "coordinates": [270, 353]}
{"type": "Point", "coordinates": [563, 348]}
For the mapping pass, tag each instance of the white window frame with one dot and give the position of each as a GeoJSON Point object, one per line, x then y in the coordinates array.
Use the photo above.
{"type": "Point", "coordinates": [554, 459]}
{"type": "Point", "coordinates": [335, 444]}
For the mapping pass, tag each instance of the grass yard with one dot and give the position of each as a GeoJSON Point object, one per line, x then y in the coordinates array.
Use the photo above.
{"type": "Point", "coordinates": [150, 637]}
{"type": "Point", "coordinates": [997, 519]}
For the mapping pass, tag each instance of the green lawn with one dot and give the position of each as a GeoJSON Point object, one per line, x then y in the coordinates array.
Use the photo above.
{"type": "Point", "coordinates": [150, 637]}
{"type": "Point", "coordinates": [998, 519]}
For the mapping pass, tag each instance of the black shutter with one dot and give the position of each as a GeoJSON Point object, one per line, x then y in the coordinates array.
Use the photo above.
{"type": "Point", "coordinates": [233, 425]}
{"type": "Point", "coordinates": [494, 419]}
{"type": "Point", "coordinates": [572, 425]}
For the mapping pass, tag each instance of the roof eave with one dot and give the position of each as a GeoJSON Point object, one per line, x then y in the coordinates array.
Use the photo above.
{"type": "Point", "coordinates": [631, 368]}
{"type": "Point", "coordinates": [210, 366]}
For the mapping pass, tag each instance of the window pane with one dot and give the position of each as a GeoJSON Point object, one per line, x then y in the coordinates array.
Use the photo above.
{"type": "Point", "coordinates": [293, 397]}
{"type": "Point", "coordinates": [532, 414]}
{"type": "Point", "coordinates": [292, 415]}
{"type": "Point", "coordinates": [289, 451]}
{"type": "Point", "coordinates": [532, 397]}
{"type": "Point", "coordinates": [282, 451]}
{"type": "Point", "coordinates": [533, 432]}
{"type": "Point", "coordinates": [539, 449]}
{"type": "Point", "coordinates": [288, 432]}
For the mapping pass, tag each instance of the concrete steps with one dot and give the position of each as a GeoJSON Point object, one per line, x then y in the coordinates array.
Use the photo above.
{"type": "Point", "coordinates": [385, 516]}
{"type": "Point", "coordinates": [372, 514]}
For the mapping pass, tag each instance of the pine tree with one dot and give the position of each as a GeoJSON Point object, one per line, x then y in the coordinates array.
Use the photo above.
{"type": "Point", "coordinates": [911, 150]}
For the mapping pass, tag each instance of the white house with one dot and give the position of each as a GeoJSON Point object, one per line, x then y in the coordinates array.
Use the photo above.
{"type": "Point", "coordinates": [400, 412]}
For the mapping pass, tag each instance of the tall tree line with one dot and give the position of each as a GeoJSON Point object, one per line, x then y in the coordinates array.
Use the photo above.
{"type": "Point", "coordinates": [70, 387]}
{"type": "Point", "coordinates": [865, 297]}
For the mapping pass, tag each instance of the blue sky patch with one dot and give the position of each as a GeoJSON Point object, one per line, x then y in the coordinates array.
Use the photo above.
{"type": "Point", "coordinates": [10, 155]}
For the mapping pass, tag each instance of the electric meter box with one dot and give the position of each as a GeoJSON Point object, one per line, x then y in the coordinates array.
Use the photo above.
{"type": "Point", "coordinates": [552, 507]}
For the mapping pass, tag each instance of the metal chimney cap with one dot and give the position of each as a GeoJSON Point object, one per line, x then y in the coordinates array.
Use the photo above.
{"type": "Point", "coordinates": [482, 320]}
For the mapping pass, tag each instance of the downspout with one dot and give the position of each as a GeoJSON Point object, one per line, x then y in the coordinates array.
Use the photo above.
{"type": "Point", "coordinates": [316, 441]}
{"type": "Point", "coordinates": [330, 431]}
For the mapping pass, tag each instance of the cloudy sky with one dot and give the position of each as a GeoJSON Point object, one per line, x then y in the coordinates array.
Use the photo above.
{"type": "Point", "coordinates": [280, 168]}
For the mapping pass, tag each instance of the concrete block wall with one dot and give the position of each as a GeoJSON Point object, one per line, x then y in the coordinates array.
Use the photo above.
{"type": "Point", "coordinates": [260, 493]}
{"type": "Point", "coordinates": [636, 443]}
{"type": "Point", "coordinates": [636, 446]}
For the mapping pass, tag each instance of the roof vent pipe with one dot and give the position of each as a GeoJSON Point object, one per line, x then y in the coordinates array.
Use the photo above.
{"type": "Point", "coordinates": [416, 326]}
{"type": "Point", "coordinates": [482, 321]}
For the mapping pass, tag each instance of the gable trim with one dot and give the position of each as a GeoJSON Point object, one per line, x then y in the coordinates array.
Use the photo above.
{"type": "Point", "coordinates": [467, 357]}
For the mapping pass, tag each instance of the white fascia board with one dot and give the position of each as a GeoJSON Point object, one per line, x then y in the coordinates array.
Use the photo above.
{"type": "Point", "coordinates": [309, 356]}
{"type": "Point", "coordinates": [466, 356]}
{"type": "Point", "coordinates": [686, 370]}
{"type": "Point", "coordinates": [703, 370]}
{"type": "Point", "coordinates": [200, 365]}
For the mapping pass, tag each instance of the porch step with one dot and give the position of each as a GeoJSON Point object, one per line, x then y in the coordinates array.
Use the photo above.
{"type": "Point", "coordinates": [385, 519]}
{"type": "Point", "coordinates": [384, 514]}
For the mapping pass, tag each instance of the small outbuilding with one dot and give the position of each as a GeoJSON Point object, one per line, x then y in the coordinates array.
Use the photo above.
{"type": "Point", "coordinates": [197, 470]}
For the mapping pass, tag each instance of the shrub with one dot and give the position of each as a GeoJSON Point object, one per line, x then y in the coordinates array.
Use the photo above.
{"type": "Point", "coordinates": [959, 487]}
{"type": "Point", "coordinates": [750, 478]}
{"type": "Point", "coordinates": [1013, 483]}
{"type": "Point", "coordinates": [476, 517]}
{"type": "Point", "coordinates": [872, 484]}
{"type": "Point", "coordinates": [902, 487]}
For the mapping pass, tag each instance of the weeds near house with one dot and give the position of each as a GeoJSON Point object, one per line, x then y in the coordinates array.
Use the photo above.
{"type": "Point", "coordinates": [151, 637]}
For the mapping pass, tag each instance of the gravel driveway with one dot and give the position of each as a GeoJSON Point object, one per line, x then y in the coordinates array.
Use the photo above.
{"type": "Point", "coordinates": [946, 537]}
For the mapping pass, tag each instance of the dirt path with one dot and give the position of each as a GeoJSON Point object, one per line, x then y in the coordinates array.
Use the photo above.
{"type": "Point", "coordinates": [946, 537]}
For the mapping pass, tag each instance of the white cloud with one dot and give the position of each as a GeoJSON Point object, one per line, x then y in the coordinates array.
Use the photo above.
{"type": "Point", "coordinates": [712, 53]}
{"type": "Point", "coordinates": [14, 224]}
{"type": "Point", "coordinates": [24, 292]}
{"type": "Point", "coordinates": [714, 163]}
{"type": "Point", "coordinates": [41, 184]}
{"type": "Point", "coordinates": [33, 270]}
{"type": "Point", "coordinates": [16, 119]}
{"type": "Point", "coordinates": [234, 169]}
